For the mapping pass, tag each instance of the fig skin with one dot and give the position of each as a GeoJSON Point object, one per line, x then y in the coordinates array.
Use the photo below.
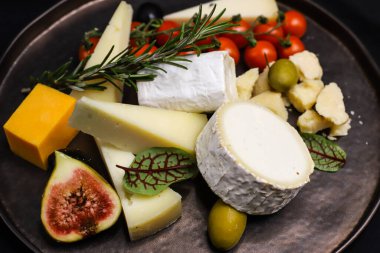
{"type": "Point", "coordinates": [93, 214]}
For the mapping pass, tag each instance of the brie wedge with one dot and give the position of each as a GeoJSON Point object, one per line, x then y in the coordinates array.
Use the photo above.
{"type": "Point", "coordinates": [252, 159]}
{"type": "Point", "coordinates": [248, 9]}
{"type": "Point", "coordinates": [208, 82]}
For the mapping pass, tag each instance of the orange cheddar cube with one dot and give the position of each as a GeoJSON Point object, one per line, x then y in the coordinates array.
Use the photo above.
{"type": "Point", "coordinates": [40, 126]}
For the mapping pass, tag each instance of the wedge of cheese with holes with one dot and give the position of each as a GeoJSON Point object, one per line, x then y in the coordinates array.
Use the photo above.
{"type": "Point", "coordinates": [116, 34]}
{"type": "Point", "coordinates": [252, 159]}
{"type": "Point", "coordinates": [248, 9]}
{"type": "Point", "coordinates": [145, 215]}
{"type": "Point", "coordinates": [208, 82]}
{"type": "Point", "coordinates": [136, 128]}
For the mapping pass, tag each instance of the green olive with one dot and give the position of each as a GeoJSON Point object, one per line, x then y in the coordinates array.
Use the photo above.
{"type": "Point", "coordinates": [226, 225]}
{"type": "Point", "coordinates": [282, 75]}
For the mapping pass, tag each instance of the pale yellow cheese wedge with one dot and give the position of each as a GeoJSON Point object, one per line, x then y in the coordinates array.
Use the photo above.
{"type": "Point", "coordinates": [145, 215]}
{"type": "Point", "coordinates": [136, 128]}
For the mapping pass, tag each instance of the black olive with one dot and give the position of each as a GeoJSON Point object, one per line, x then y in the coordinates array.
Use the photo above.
{"type": "Point", "coordinates": [148, 11]}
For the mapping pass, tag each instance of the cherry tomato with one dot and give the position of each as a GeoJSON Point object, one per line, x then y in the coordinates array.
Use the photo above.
{"type": "Point", "coordinates": [132, 41]}
{"type": "Point", "coordinates": [295, 47]}
{"type": "Point", "coordinates": [228, 45]}
{"type": "Point", "coordinates": [143, 48]}
{"type": "Point", "coordinates": [164, 37]}
{"type": "Point", "coordinates": [187, 53]}
{"type": "Point", "coordinates": [83, 52]}
{"type": "Point", "coordinates": [239, 39]}
{"type": "Point", "coordinates": [205, 41]}
{"type": "Point", "coordinates": [257, 56]}
{"type": "Point", "coordinates": [294, 23]}
{"type": "Point", "coordinates": [269, 32]}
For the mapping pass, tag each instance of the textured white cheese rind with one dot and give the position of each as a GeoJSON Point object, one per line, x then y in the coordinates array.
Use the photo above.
{"type": "Point", "coordinates": [249, 10]}
{"type": "Point", "coordinates": [236, 184]}
{"type": "Point", "coordinates": [208, 82]}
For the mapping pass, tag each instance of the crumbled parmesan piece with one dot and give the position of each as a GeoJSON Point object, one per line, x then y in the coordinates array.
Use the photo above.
{"type": "Point", "coordinates": [340, 130]}
{"type": "Point", "coordinates": [308, 65]}
{"type": "Point", "coordinates": [246, 82]}
{"type": "Point", "coordinates": [304, 95]}
{"type": "Point", "coordinates": [311, 122]}
{"type": "Point", "coordinates": [330, 104]}
{"type": "Point", "coordinates": [273, 101]}
{"type": "Point", "coordinates": [262, 84]}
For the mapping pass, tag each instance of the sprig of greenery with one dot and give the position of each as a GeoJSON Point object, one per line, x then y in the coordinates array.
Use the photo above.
{"type": "Point", "coordinates": [124, 67]}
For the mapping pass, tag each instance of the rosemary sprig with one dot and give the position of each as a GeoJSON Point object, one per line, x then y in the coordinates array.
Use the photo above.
{"type": "Point", "coordinates": [124, 68]}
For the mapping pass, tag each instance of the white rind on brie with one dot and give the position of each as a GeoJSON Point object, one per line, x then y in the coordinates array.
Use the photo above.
{"type": "Point", "coordinates": [252, 159]}
{"type": "Point", "coordinates": [208, 82]}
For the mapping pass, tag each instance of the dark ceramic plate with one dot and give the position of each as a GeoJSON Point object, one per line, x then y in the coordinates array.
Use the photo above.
{"type": "Point", "coordinates": [326, 215]}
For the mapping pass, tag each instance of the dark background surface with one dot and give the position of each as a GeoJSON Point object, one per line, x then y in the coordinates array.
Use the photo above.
{"type": "Point", "coordinates": [362, 17]}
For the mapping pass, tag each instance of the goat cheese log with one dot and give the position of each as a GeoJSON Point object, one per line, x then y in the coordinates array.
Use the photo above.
{"type": "Point", "coordinates": [252, 159]}
{"type": "Point", "coordinates": [208, 82]}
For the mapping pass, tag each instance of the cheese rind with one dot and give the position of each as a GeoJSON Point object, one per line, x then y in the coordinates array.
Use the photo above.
{"type": "Point", "coordinates": [252, 159]}
{"type": "Point", "coordinates": [136, 128]}
{"type": "Point", "coordinates": [208, 82]}
{"type": "Point", "coordinates": [145, 215]}
{"type": "Point", "coordinates": [39, 125]}
{"type": "Point", "coordinates": [249, 10]}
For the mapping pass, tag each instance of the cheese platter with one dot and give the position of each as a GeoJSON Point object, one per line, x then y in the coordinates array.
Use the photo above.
{"type": "Point", "coordinates": [197, 198]}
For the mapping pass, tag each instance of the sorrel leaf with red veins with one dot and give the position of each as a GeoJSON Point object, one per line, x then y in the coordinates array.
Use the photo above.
{"type": "Point", "coordinates": [326, 154]}
{"type": "Point", "coordinates": [154, 169]}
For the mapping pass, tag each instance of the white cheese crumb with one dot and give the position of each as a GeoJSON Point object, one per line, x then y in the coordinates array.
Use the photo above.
{"type": "Point", "coordinates": [361, 122]}
{"type": "Point", "coordinates": [352, 113]}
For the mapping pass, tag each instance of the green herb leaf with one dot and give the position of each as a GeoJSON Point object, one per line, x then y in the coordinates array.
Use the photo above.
{"type": "Point", "coordinates": [327, 155]}
{"type": "Point", "coordinates": [153, 170]}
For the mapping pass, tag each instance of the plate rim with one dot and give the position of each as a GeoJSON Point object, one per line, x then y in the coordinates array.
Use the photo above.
{"type": "Point", "coordinates": [352, 42]}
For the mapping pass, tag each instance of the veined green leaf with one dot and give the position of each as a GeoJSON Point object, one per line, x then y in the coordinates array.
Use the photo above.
{"type": "Point", "coordinates": [153, 170]}
{"type": "Point", "coordinates": [326, 154]}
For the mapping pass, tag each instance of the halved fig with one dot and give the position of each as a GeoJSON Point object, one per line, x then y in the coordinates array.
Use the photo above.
{"type": "Point", "coordinates": [77, 201]}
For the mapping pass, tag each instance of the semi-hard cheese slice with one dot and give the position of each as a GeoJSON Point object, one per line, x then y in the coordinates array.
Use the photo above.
{"type": "Point", "coordinates": [136, 128]}
{"type": "Point", "coordinates": [249, 10]}
{"type": "Point", "coordinates": [208, 82]}
{"type": "Point", "coordinates": [116, 34]}
{"type": "Point", "coordinates": [145, 215]}
{"type": "Point", "coordinates": [252, 159]}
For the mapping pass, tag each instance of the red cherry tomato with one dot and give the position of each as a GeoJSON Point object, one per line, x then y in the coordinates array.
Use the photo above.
{"type": "Point", "coordinates": [295, 47]}
{"type": "Point", "coordinates": [143, 48]}
{"type": "Point", "coordinates": [83, 52]}
{"type": "Point", "coordinates": [257, 56]}
{"type": "Point", "coordinates": [269, 32]}
{"type": "Point", "coordinates": [132, 41]}
{"type": "Point", "coordinates": [294, 23]}
{"type": "Point", "coordinates": [239, 39]}
{"type": "Point", "coordinates": [205, 41]}
{"type": "Point", "coordinates": [228, 45]}
{"type": "Point", "coordinates": [164, 37]}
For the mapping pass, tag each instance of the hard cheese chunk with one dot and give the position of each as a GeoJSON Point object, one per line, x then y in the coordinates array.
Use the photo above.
{"type": "Point", "coordinates": [249, 10]}
{"type": "Point", "coordinates": [145, 215]}
{"type": "Point", "coordinates": [273, 101]}
{"type": "Point", "coordinates": [304, 95]}
{"type": "Point", "coordinates": [258, 161]}
{"type": "Point", "coordinates": [136, 128]}
{"type": "Point", "coordinates": [116, 34]}
{"type": "Point", "coordinates": [246, 82]}
{"type": "Point", "coordinates": [39, 126]}
{"type": "Point", "coordinates": [208, 82]}
{"type": "Point", "coordinates": [311, 122]}
{"type": "Point", "coordinates": [308, 65]}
